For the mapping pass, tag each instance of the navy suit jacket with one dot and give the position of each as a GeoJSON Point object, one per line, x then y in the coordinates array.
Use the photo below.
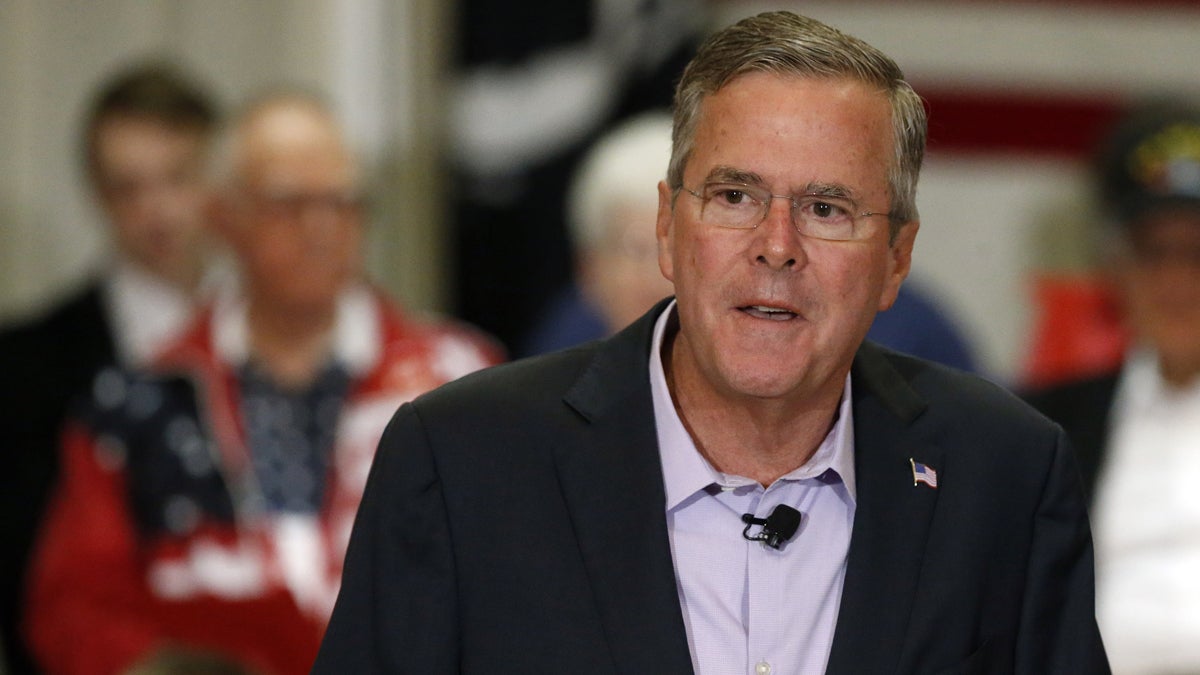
{"type": "Point", "coordinates": [514, 522]}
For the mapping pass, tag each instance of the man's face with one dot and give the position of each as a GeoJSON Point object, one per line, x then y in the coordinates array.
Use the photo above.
{"type": "Point", "coordinates": [298, 224]}
{"type": "Point", "coordinates": [620, 275]}
{"type": "Point", "coordinates": [149, 182]}
{"type": "Point", "coordinates": [790, 134]}
{"type": "Point", "coordinates": [1160, 280]}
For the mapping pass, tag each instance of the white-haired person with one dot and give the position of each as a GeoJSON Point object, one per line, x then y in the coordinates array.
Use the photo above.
{"type": "Point", "coordinates": [609, 203]}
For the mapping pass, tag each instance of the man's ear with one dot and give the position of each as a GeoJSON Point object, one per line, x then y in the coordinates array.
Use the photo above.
{"type": "Point", "coordinates": [663, 232]}
{"type": "Point", "coordinates": [899, 262]}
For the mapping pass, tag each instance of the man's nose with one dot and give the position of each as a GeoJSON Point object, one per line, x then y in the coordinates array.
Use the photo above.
{"type": "Point", "coordinates": [777, 241]}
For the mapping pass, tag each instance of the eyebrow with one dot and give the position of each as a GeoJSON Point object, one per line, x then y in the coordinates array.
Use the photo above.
{"type": "Point", "coordinates": [833, 190]}
{"type": "Point", "coordinates": [729, 174]}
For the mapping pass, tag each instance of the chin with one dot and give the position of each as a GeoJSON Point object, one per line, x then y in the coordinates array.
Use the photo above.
{"type": "Point", "coordinates": [765, 379]}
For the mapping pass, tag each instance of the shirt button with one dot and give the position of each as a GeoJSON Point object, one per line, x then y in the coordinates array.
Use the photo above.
{"type": "Point", "coordinates": [762, 668]}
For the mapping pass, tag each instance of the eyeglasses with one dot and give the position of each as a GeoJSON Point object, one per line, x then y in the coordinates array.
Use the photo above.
{"type": "Point", "coordinates": [293, 206]}
{"type": "Point", "coordinates": [822, 216]}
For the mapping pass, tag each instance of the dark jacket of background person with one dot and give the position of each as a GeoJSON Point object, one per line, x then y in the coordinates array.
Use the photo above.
{"type": "Point", "coordinates": [1082, 407]}
{"type": "Point", "coordinates": [43, 364]}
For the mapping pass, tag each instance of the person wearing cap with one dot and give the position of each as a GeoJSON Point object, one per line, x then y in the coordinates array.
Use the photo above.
{"type": "Point", "coordinates": [1137, 429]}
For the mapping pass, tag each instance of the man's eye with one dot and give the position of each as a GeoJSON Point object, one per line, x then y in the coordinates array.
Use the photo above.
{"type": "Point", "coordinates": [827, 210]}
{"type": "Point", "coordinates": [731, 196]}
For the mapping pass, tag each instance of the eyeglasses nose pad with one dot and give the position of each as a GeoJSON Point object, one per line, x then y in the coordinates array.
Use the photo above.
{"type": "Point", "coordinates": [770, 200]}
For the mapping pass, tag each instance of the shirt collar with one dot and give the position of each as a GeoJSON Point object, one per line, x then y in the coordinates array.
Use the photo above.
{"type": "Point", "coordinates": [686, 471]}
{"type": "Point", "coordinates": [357, 344]}
{"type": "Point", "coordinates": [146, 311]}
{"type": "Point", "coordinates": [1142, 389]}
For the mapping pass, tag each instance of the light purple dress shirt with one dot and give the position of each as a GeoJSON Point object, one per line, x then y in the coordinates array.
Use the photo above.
{"type": "Point", "coordinates": [749, 608]}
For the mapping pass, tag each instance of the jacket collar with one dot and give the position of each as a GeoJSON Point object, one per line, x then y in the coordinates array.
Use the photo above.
{"type": "Point", "coordinates": [357, 332]}
{"type": "Point", "coordinates": [613, 486]}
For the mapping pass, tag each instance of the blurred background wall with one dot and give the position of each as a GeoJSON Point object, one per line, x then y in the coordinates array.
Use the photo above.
{"type": "Point", "coordinates": [1018, 91]}
{"type": "Point", "coordinates": [380, 61]}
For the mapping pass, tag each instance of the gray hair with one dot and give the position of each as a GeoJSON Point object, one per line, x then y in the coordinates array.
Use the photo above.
{"type": "Point", "coordinates": [622, 168]}
{"type": "Point", "coordinates": [784, 43]}
{"type": "Point", "coordinates": [224, 166]}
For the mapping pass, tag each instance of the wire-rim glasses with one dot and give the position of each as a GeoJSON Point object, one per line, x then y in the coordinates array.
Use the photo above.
{"type": "Point", "coordinates": [822, 216]}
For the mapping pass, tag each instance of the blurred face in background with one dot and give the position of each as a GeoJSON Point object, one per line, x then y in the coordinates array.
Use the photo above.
{"type": "Point", "coordinates": [620, 275]}
{"type": "Point", "coordinates": [296, 219]}
{"type": "Point", "coordinates": [149, 182]}
{"type": "Point", "coordinates": [1160, 281]}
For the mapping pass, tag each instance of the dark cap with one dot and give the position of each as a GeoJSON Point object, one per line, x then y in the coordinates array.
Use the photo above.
{"type": "Point", "coordinates": [1151, 160]}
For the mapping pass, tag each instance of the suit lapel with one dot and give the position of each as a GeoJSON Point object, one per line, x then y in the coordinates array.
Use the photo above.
{"type": "Point", "coordinates": [613, 486]}
{"type": "Point", "coordinates": [891, 522]}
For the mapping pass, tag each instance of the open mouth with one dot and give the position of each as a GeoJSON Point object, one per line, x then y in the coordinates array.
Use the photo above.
{"type": "Point", "coordinates": [769, 313]}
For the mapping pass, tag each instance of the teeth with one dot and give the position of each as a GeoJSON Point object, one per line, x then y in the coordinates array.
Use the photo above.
{"type": "Point", "coordinates": [769, 310]}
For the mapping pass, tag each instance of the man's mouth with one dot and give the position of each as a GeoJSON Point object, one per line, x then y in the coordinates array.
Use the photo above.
{"type": "Point", "coordinates": [768, 312]}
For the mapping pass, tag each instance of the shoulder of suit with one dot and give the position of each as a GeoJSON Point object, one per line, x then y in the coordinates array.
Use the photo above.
{"type": "Point", "coordinates": [530, 380]}
{"type": "Point", "coordinates": [952, 394]}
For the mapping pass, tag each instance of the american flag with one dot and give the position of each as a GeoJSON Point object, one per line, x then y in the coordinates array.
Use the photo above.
{"type": "Point", "coordinates": [923, 473]}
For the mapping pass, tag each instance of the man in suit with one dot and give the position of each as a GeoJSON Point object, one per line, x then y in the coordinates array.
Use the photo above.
{"type": "Point", "coordinates": [617, 507]}
{"type": "Point", "coordinates": [144, 141]}
{"type": "Point", "coordinates": [1137, 429]}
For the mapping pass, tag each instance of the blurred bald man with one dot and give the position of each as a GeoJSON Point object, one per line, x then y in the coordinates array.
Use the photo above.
{"type": "Point", "coordinates": [206, 504]}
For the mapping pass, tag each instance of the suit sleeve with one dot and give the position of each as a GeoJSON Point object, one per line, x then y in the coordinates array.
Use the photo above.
{"type": "Point", "coordinates": [397, 608]}
{"type": "Point", "coordinates": [1058, 632]}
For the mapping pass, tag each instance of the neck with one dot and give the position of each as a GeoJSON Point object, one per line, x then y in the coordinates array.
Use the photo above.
{"type": "Point", "coordinates": [185, 279]}
{"type": "Point", "coordinates": [761, 439]}
{"type": "Point", "coordinates": [1179, 373]}
{"type": "Point", "coordinates": [291, 346]}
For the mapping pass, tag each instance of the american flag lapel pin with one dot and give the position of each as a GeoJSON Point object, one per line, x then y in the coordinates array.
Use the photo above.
{"type": "Point", "coordinates": [923, 473]}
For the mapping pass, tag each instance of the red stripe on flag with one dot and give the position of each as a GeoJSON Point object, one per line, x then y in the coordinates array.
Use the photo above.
{"type": "Point", "coordinates": [991, 122]}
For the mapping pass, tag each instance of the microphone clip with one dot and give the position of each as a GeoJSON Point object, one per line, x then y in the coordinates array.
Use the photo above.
{"type": "Point", "coordinates": [777, 527]}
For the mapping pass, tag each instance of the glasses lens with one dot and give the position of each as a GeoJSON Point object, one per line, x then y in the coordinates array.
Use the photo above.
{"type": "Point", "coordinates": [741, 206]}
{"type": "Point", "coordinates": [826, 218]}
{"type": "Point", "coordinates": [733, 205]}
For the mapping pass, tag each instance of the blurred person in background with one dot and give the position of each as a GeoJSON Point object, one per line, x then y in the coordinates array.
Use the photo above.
{"type": "Point", "coordinates": [918, 324]}
{"type": "Point", "coordinates": [1137, 429]}
{"type": "Point", "coordinates": [143, 150]}
{"type": "Point", "coordinates": [611, 208]}
{"type": "Point", "coordinates": [206, 502]}
{"type": "Point", "coordinates": [610, 211]}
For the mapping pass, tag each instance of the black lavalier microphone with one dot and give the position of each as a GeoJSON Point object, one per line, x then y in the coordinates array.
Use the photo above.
{"type": "Point", "coordinates": [777, 527]}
